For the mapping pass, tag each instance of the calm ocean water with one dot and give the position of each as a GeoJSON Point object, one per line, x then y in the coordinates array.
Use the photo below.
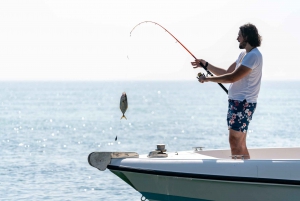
{"type": "Point", "coordinates": [48, 129]}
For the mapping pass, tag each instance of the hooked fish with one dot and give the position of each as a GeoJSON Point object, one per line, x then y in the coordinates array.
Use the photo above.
{"type": "Point", "coordinates": [123, 104]}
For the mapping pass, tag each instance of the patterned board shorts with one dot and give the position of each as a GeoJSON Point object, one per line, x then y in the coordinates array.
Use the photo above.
{"type": "Point", "coordinates": [239, 115]}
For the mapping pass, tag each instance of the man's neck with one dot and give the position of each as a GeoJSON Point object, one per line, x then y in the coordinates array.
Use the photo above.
{"type": "Point", "coordinates": [248, 48]}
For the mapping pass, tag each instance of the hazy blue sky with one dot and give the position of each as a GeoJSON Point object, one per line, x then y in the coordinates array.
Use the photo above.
{"type": "Point", "coordinates": [89, 39]}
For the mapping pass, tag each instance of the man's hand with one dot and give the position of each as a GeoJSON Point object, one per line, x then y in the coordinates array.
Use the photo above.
{"type": "Point", "coordinates": [202, 78]}
{"type": "Point", "coordinates": [196, 64]}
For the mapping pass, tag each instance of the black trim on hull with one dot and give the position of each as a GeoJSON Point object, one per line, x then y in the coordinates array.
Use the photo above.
{"type": "Point", "coordinates": [206, 176]}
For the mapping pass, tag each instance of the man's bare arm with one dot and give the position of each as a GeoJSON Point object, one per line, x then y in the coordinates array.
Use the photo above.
{"type": "Point", "coordinates": [215, 70]}
{"type": "Point", "coordinates": [231, 68]}
{"type": "Point", "coordinates": [236, 75]}
{"type": "Point", "coordinates": [220, 71]}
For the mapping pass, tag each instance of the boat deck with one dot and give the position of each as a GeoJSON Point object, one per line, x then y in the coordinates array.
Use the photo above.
{"type": "Point", "coordinates": [255, 154]}
{"type": "Point", "coordinates": [259, 153]}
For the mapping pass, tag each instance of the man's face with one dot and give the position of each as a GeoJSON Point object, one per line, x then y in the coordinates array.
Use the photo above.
{"type": "Point", "coordinates": [241, 40]}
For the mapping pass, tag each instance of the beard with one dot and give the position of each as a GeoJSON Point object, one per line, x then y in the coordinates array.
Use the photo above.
{"type": "Point", "coordinates": [242, 45]}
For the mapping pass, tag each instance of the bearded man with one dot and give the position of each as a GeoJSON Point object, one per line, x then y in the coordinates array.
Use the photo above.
{"type": "Point", "coordinates": [245, 78]}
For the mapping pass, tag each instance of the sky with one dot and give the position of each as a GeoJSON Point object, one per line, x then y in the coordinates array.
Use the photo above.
{"type": "Point", "coordinates": [89, 40]}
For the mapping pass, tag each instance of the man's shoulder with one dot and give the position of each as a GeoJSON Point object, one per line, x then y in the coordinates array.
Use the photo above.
{"type": "Point", "coordinates": [256, 51]}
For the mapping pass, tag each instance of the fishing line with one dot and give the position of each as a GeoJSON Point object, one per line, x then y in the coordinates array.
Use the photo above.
{"type": "Point", "coordinates": [204, 67]}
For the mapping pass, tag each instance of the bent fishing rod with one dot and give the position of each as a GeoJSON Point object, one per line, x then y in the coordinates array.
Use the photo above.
{"type": "Point", "coordinates": [204, 66]}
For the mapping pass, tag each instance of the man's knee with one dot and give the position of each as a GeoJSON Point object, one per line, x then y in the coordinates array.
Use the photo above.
{"type": "Point", "coordinates": [237, 139]}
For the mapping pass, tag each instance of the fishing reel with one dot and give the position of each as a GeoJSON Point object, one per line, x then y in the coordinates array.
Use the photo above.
{"type": "Point", "coordinates": [201, 74]}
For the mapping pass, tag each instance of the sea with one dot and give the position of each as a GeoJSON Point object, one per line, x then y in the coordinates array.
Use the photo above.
{"type": "Point", "coordinates": [48, 129]}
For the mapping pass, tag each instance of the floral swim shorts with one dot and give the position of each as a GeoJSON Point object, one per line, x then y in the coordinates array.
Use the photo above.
{"type": "Point", "coordinates": [239, 115]}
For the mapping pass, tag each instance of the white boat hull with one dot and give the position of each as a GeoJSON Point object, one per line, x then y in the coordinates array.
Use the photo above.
{"type": "Point", "coordinates": [158, 187]}
{"type": "Point", "coordinates": [207, 175]}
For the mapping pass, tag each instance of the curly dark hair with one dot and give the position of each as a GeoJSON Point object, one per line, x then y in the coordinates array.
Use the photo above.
{"type": "Point", "coordinates": [250, 33]}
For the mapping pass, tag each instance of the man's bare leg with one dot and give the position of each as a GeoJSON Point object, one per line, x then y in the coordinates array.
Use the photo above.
{"type": "Point", "coordinates": [237, 142]}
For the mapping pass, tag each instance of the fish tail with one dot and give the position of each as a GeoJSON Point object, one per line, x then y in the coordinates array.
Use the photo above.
{"type": "Point", "coordinates": [123, 117]}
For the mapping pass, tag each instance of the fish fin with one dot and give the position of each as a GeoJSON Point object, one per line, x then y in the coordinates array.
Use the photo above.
{"type": "Point", "coordinates": [123, 117]}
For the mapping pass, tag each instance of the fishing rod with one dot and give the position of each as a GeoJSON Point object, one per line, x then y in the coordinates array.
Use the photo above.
{"type": "Point", "coordinates": [204, 66]}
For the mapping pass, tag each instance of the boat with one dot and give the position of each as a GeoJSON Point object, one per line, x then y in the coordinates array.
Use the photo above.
{"type": "Point", "coordinates": [198, 174]}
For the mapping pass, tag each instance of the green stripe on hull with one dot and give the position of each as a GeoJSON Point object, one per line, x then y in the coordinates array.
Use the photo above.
{"type": "Point", "coordinates": [161, 197]}
{"type": "Point", "coordinates": [123, 177]}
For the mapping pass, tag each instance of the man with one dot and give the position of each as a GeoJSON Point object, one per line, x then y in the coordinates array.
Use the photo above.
{"type": "Point", "coordinates": [245, 78]}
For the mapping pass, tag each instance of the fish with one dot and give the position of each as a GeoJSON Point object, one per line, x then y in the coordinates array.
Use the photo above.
{"type": "Point", "coordinates": [123, 104]}
{"type": "Point", "coordinates": [116, 138]}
